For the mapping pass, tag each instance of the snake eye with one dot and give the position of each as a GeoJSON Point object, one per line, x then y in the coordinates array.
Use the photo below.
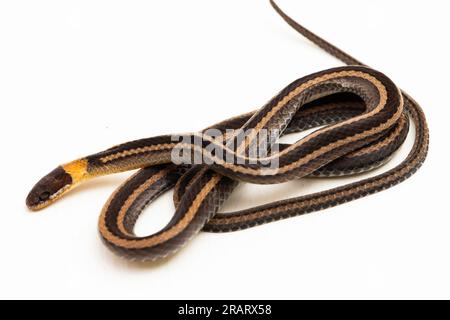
{"type": "Point", "coordinates": [44, 196]}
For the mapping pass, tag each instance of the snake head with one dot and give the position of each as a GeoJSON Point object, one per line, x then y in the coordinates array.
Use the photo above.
{"type": "Point", "coordinates": [49, 189]}
{"type": "Point", "coordinates": [56, 184]}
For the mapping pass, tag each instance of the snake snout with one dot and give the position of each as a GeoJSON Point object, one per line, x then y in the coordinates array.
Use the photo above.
{"type": "Point", "coordinates": [49, 189]}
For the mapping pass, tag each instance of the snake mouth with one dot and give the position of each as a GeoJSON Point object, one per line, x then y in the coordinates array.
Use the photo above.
{"type": "Point", "coordinates": [49, 189]}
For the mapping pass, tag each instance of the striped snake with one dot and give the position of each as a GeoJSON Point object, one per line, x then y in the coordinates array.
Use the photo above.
{"type": "Point", "coordinates": [366, 119]}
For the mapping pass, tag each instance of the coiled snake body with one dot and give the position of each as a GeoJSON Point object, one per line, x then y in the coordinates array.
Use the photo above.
{"type": "Point", "coordinates": [367, 119]}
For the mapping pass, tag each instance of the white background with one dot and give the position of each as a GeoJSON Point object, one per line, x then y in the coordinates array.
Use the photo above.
{"type": "Point", "coordinates": [79, 76]}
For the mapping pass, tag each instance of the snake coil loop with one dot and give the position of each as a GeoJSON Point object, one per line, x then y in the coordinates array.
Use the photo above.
{"type": "Point", "coordinates": [366, 119]}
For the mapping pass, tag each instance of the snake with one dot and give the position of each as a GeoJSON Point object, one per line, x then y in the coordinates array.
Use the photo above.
{"type": "Point", "coordinates": [359, 117]}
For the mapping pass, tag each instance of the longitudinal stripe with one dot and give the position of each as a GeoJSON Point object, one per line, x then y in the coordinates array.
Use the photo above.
{"type": "Point", "coordinates": [294, 93]}
{"type": "Point", "coordinates": [143, 243]}
{"type": "Point", "coordinates": [137, 151]}
{"type": "Point", "coordinates": [315, 200]}
{"type": "Point", "coordinates": [132, 198]}
{"type": "Point", "coordinates": [302, 161]}
{"type": "Point", "coordinates": [383, 143]}
{"type": "Point", "coordinates": [240, 169]}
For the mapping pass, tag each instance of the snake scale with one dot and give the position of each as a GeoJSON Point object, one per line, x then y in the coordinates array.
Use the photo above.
{"type": "Point", "coordinates": [364, 119]}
